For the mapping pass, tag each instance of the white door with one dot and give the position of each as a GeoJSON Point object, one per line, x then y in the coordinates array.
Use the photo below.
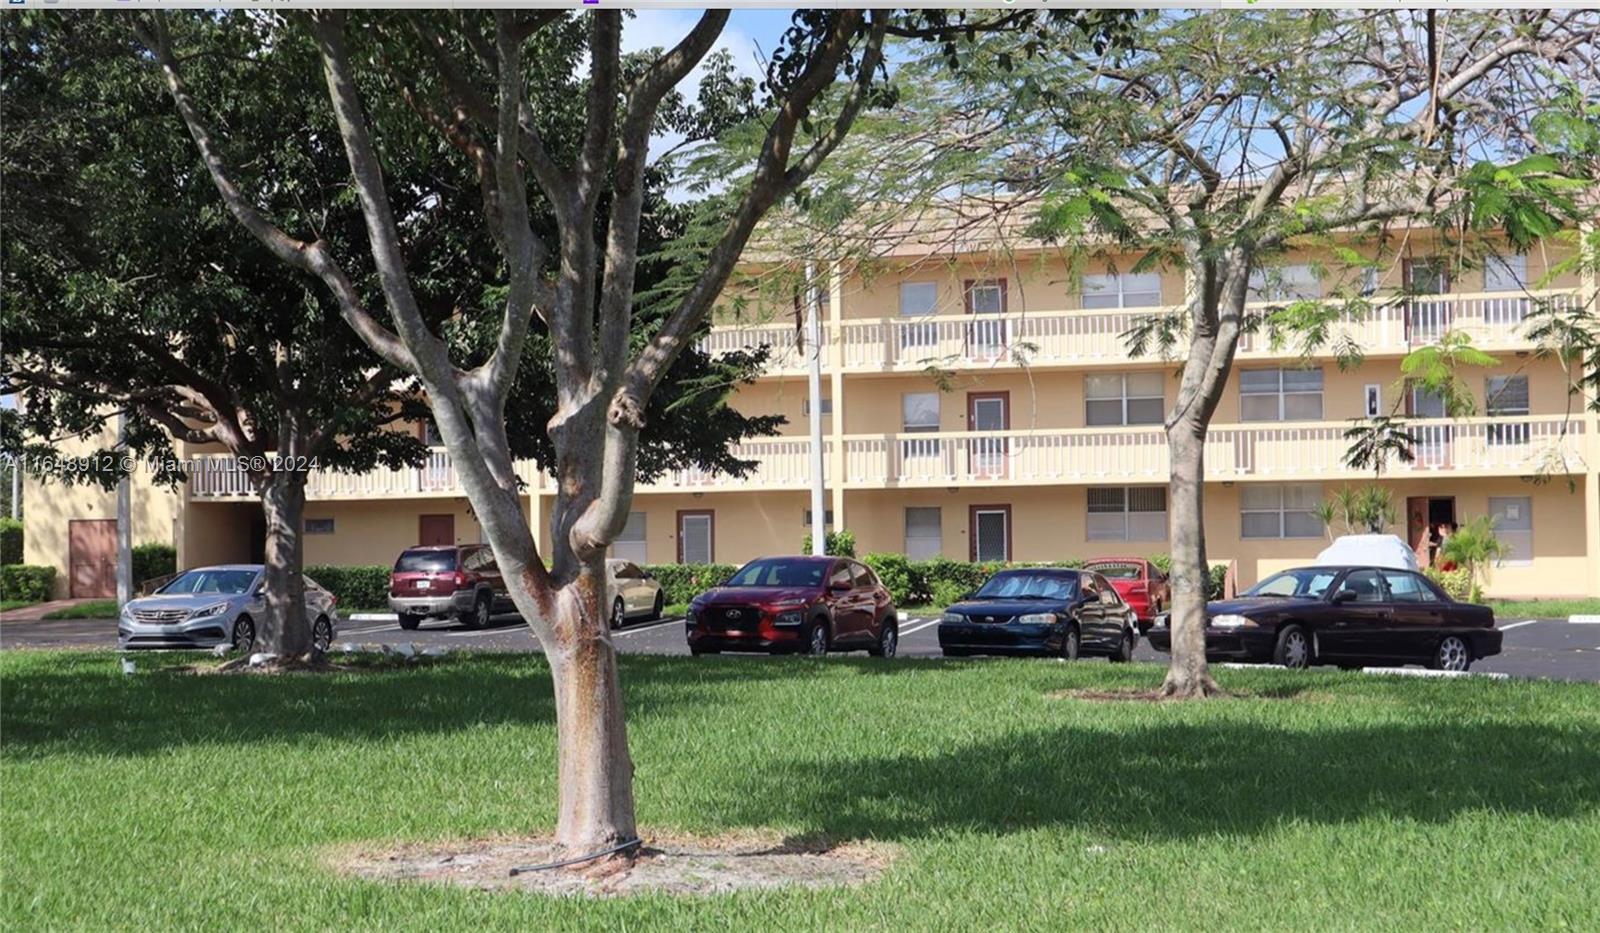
{"type": "Point", "coordinates": [694, 538]}
{"type": "Point", "coordinates": [991, 534]}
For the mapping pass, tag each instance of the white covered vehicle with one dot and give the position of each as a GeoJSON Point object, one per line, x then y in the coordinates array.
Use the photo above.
{"type": "Point", "coordinates": [1368, 551]}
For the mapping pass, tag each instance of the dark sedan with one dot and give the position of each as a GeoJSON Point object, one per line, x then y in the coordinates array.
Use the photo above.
{"type": "Point", "coordinates": [1347, 616]}
{"type": "Point", "coordinates": [1041, 611]}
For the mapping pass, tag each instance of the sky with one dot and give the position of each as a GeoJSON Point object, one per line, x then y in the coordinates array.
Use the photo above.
{"type": "Point", "coordinates": [749, 36]}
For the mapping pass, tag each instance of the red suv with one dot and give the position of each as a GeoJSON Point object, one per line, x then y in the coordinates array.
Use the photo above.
{"type": "Point", "coordinates": [1140, 583]}
{"type": "Point", "coordinates": [460, 581]}
{"type": "Point", "coordinates": [811, 605]}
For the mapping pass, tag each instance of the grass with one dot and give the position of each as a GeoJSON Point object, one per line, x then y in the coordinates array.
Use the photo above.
{"type": "Point", "coordinates": [93, 609]}
{"type": "Point", "coordinates": [1507, 609]}
{"type": "Point", "coordinates": [6, 605]}
{"type": "Point", "coordinates": [160, 800]}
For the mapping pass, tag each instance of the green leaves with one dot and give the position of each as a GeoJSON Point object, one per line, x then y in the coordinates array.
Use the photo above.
{"type": "Point", "coordinates": [1436, 370]}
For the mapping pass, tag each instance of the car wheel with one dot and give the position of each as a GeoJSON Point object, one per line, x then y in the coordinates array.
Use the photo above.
{"type": "Point", "coordinates": [244, 635]}
{"type": "Point", "coordinates": [478, 616]}
{"type": "Point", "coordinates": [1124, 652]}
{"type": "Point", "coordinates": [658, 607]}
{"type": "Point", "coordinates": [817, 639]}
{"type": "Point", "coordinates": [617, 617]}
{"type": "Point", "coordinates": [1071, 643]}
{"type": "Point", "coordinates": [409, 621]}
{"type": "Point", "coordinates": [1452, 655]}
{"type": "Point", "coordinates": [1293, 649]}
{"type": "Point", "coordinates": [322, 634]}
{"type": "Point", "coordinates": [888, 640]}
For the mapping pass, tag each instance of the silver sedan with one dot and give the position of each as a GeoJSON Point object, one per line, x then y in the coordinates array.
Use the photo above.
{"type": "Point", "coordinates": [210, 606]}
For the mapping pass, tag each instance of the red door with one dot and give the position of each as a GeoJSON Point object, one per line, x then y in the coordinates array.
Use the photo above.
{"type": "Point", "coordinates": [92, 558]}
{"type": "Point", "coordinates": [436, 530]}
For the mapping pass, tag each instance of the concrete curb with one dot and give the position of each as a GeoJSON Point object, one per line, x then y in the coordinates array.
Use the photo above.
{"type": "Point", "coordinates": [372, 617]}
{"type": "Point", "coordinates": [1427, 672]}
{"type": "Point", "coordinates": [1584, 620]}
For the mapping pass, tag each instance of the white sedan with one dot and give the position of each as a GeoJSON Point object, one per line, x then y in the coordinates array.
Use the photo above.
{"type": "Point", "coordinates": [634, 593]}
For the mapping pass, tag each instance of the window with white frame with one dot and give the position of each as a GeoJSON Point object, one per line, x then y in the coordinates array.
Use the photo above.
{"type": "Point", "coordinates": [1123, 398]}
{"type": "Point", "coordinates": [924, 534]}
{"type": "Point", "coordinates": [1131, 513]}
{"type": "Point", "coordinates": [918, 299]}
{"type": "Point", "coordinates": [1142, 290]}
{"type": "Point", "coordinates": [987, 297]}
{"type": "Point", "coordinates": [1280, 395]}
{"type": "Point", "coordinates": [1285, 283]}
{"type": "Point", "coordinates": [1506, 396]}
{"type": "Point", "coordinates": [1513, 525]}
{"type": "Point", "coordinates": [630, 544]}
{"type": "Point", "coordinates": [1505, 273]}
{"type": "Point", "coordinates": [1288, 511]}
{"type": "Point", "coordinates": [805, 406]}
{"type": "Point", "coordinates": [919, 412]}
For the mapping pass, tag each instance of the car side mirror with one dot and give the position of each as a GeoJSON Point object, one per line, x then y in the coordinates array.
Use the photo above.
{"type": "Point", "coordinates": [1344, 596]}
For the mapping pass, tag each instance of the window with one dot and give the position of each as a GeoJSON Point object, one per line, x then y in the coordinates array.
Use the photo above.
{"type": "Point", "coordinates": [1409, 588]}
{"type": "Point", "coordinates": [1280, 395]}
{"type": "Point", "coordinates": [827, 406]}
{"type": "Point", "coordinates": [1122, 291]}
{"type": "Point", "coordinates": [1513, 517]}
{"type": "Point", "coordinates": [841, 576]}
{"type": "Point", "coordinates": [1364, 585]}
{"type": "Point", "coordinates": [918, 299]}
{"type": "Point", "coordinates": [319, 526]}
{"type": "Point", "coordinates": [991, 532]}
{"type": "Point", "coordinates": [1425, 404]}
{"type": "Point", "coordinates": [1427, 277]}
{"type": "Point", "coordinates": [1506, 396]}
{"type": "Point", "coordinates": [630, 544]}
{"type": "Point", "coordinates": [924, 536]}
{"type": "Point", "coordinates": [1134, 513]}
{"type": "Point", "coordinates": [919, 412]}
{"type": "Point", "coordinates": [1285, 283]}
{"type": "Point", "coordinates": [1132, 398]}
{"type": "Point", "coordinates": [430, 434]}
{"type": "Point", "coordinates": [1505, 274]}
{"type": "Point", "coordinates": [827, 518]}
{"type": "Point", "coordinates": [864, 577]}
{"type": "Point", "coordinates": [696, 537]}
{"type": "Point", "coordinates": [627, 570]}
{"type": "Point", "coordinates": [1280, 511]}
{"type": "Point", "coordinates": [987, 296]}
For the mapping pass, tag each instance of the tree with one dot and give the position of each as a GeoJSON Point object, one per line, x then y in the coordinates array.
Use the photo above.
{"type": "Point", "coordinates": [1474, 547]}
{"type": "Point", "coordinates": [488, 84]}
{"type": "Point", "coordinates": [1215, 143]}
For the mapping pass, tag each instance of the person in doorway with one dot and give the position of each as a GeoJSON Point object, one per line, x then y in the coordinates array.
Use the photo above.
{"type": "Point", "coordinates": [1446, 529]}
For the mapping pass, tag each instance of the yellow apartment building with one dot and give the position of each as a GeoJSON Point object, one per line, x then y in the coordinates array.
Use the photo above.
{"type": "Point", "coordinates": [986, 406]}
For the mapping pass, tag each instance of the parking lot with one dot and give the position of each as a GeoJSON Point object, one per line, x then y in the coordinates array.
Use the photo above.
{"type": "Point", "coordinates": [1543, 648]}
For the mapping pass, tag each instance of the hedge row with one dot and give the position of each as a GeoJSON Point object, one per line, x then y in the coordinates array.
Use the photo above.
{"type": "Point", "coordinates": [29, 582]}
{"type": "Point", "coordinates": [154, 560]}
{"type": "Point", "coordinates": [358, 587]}
{"type": "Point", "coordinates": [682, 582]}
{"type": "Point", "coordinates": [10, 541]}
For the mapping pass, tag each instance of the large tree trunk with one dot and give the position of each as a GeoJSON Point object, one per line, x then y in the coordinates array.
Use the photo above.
{"type": "Point", "coordinates": [283, 629]}
{"type": "Point", "coordinates": [1188, 675]}
{"type": "Point", "coordinates": [595, 809]}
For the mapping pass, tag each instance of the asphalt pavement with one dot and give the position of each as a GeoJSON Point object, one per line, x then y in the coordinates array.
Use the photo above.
{"type": "Point", "coordinates": [1541, 648]}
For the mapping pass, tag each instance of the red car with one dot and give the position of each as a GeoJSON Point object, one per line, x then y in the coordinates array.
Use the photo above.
{"type": "Point", "coordinates": [1140, 583]}
{"type": "Point", "coordinates": [451, 581]}
{"type": "Point", "coordinates": [809, 605]}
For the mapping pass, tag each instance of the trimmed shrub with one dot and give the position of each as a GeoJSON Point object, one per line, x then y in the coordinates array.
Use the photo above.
{"type": "Point", "coordinates": [10, 541]}
{"type": "Point", "coordinates": [153, 560]}
{"type": "Point", "coordinates": [905, 585]}
{"type": "Point", "coordinates": [358, 587]}
{"type": "Point", "coordinates": [836, 543]}
{"type": "Point", "coordinates": [1456, 583]}
{"type": "Point", "coordinates": [683, 582]}
{"type": "Point", "coordinates": [940, 581]}
{"type": "Point", "coordinates": [948, 593]}
{"type": "Point", "coordinates": [30, 582]}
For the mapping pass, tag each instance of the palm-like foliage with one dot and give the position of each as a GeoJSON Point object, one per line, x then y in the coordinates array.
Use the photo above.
{"type": "Point", "coordinates": [1475, 549]}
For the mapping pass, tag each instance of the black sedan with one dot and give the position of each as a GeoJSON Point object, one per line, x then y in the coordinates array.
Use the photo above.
{"type": "Point", "coordinates": [1041, 611]}
{"type": "Point", "coordinates": [1347, 616]}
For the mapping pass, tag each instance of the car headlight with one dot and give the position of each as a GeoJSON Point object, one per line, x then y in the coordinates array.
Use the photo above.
{"type": "Point", "coordinates": [954, 617]}
{"type": "Point", "coordinates": [126, 615]}
{"type": "Point", "coordinates": [1037, 618]}
{"type": "Point", "coordinates": [1230, 621]}
{"type": "Point", "coordinates": [789, 617]}
{"type": "Point", "coordinates": [209, 611]}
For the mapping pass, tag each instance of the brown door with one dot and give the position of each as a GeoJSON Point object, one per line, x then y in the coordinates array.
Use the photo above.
{"type": "Point", "coordinates": [989, 414]}
{"type": "Point", "coordinates": [92, 558]}
{"type": "Point", "coordinates": [1417, 527]}
{"type": "Point", "coordinates": [436, 530]}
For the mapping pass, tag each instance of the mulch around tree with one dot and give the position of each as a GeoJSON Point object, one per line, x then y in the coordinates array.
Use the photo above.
{"type": "Point", "coordinates": [666, 864]}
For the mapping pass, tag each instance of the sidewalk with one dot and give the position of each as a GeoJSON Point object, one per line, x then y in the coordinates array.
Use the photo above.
{"type": "Point", "coordinates": [37, 611]}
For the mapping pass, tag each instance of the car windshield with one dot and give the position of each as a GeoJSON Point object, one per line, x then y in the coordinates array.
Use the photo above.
{"type": "Point", "coordinates": [1118, 571]}
{"type": "Point", "coordinates": [779, 571]}
{"type": "Point", "coordinates": [1311, 582]}
{"type": "Point", "coordinates": [440, 561]}
{"type": "Point", "coordinates": [1025, 585]}
{"type": "Point", "coordinates": [227, 582]}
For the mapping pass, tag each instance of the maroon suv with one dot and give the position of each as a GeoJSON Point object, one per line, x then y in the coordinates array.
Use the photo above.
{"type": "Point", "coordinates": [453, 581]}
{"type": "Point", "coordinates": [795, 604]}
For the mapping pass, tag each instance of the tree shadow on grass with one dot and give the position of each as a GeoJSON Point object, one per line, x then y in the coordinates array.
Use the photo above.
{"type": "Point", "coordinates": [1165, 780]}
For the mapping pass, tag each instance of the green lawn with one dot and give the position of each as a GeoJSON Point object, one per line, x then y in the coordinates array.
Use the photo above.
{"type": "Point", "coordinates": [6, 605]}
{"type": "Point", "coordinates": [161, 800]}
{"type": "Point", "coordinates": [93, 609]}
{"type": "Point", "coordinates": [1512, 609]}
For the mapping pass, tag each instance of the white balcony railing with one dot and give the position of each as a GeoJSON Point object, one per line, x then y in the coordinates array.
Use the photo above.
{"type": "Point", "coordinates": [1495, 321]}
{"type": "Point", "coordinates": [1306, 451]}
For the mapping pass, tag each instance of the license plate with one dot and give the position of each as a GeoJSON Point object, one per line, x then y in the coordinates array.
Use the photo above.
{"type": "Point", "coordinates": [424, 584]}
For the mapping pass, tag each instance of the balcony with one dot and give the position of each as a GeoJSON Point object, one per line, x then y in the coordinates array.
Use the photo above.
{"type": "Point", "coordinates": [1304, 451]}
{"type": "Point", "coordinates": [1094, 338]}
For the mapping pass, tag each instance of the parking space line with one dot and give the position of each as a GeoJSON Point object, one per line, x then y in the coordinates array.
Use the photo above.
{"type": "Point", "coordinates": [1507, 628]}
{"type": "Point", "coordinates": [647, 628]}
{"type": "Point", "coordinates": [919, 627]}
